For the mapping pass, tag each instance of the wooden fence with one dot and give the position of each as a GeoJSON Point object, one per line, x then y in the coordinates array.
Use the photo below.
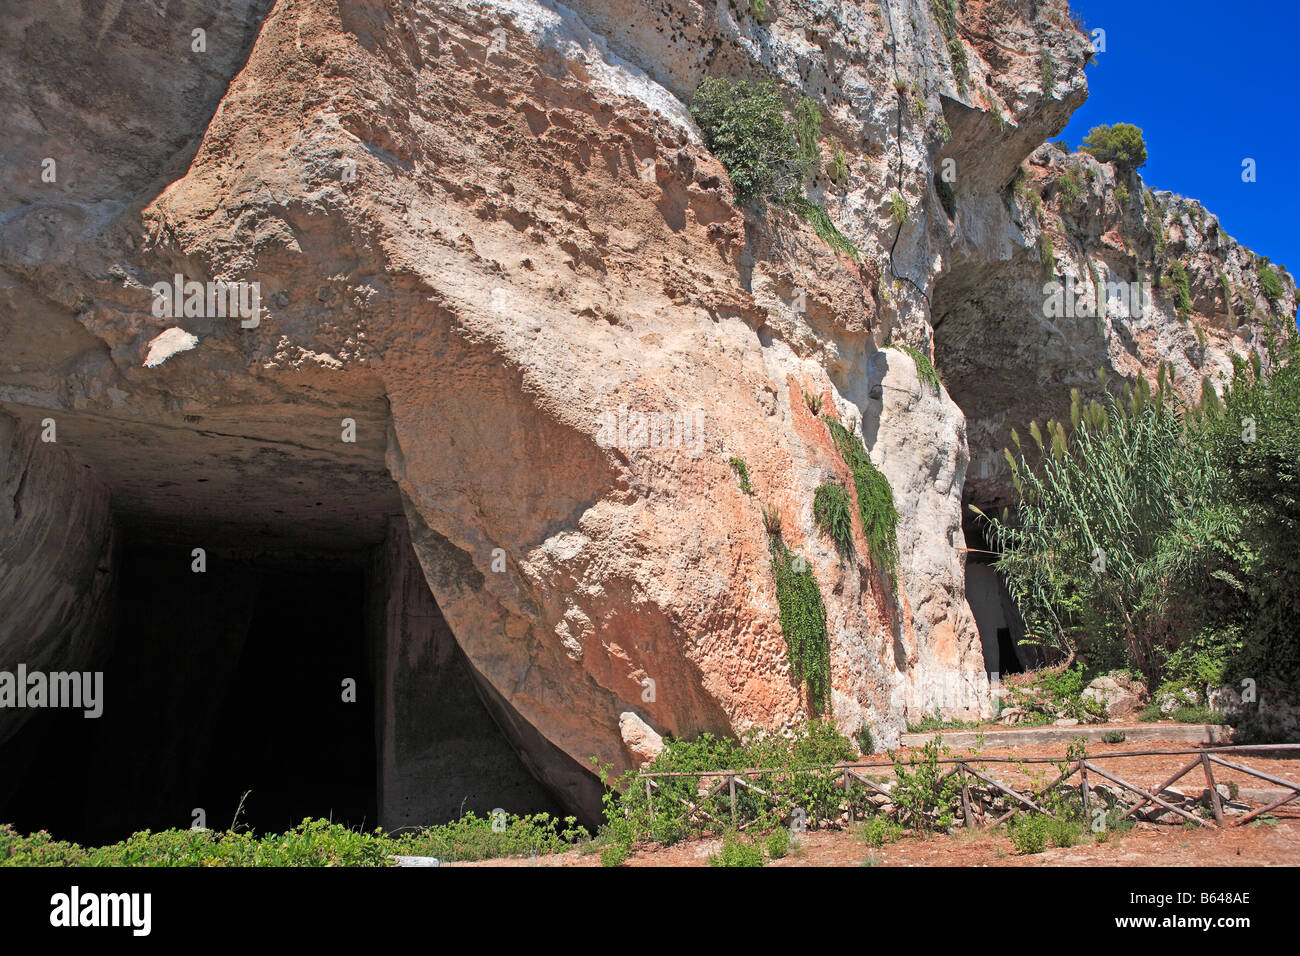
{"type": "Point", "coordinates": [852, 776]}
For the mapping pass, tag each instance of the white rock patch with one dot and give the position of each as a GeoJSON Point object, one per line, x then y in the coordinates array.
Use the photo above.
{"type": "Point", "coordinates": [168, 343]}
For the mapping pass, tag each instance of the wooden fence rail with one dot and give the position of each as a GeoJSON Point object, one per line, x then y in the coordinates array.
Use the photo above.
{"type": "Point", "coordinates": [972, 804]}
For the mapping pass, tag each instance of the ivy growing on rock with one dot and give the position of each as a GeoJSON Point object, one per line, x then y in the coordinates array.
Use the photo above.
{"type": "Point", "coordinates": [875, 498]}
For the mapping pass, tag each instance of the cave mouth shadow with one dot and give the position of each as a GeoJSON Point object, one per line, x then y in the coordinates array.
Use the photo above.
{"type": "Point", "coordinates": [218, 683]}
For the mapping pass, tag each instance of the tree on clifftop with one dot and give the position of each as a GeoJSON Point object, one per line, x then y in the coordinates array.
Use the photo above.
{"type": "Point", "coordinates": [1120, 145]}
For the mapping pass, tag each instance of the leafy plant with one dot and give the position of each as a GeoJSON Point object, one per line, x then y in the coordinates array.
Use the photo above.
{"type": "Point", "coordinates": [1269, 283]}
{"type": "Point", "coordinates": [803, 623]}
{"type": "Point", "coordinates": [820, 220]}
{"type": "Point", "coordinates": [1120, 145]}
{"type": "Point", "coordinates": [814, 402]}
{"type": "Point", "coordinates": [744, 125]}
{"type": "Point", "coordinates": [778, 843]}
{"type": "Point", "coordinates": [1069, 189]}
{"type": "Point", "coordinates": [737, 851]}
{"type": "Point", "coordinates": [1047, 70]}
{"type": "Point", "coordinates": [1182, 294]}
{"type": "Point", "coordinates": [831, 512]}
{"type": "Point", "coordinates": [923, 790]}
{"type": "Point", "coordinates": [898, 208]}
{"type": "Point", "coordinates": [742, 472]}
{"type": "Point", "coordinates": [925, 370]}
{"type": "Point", "coordinates": [1047, 252]}
{"type": "Point", "coordinates": [881, 830]}
{"type": "Point", "coordinates": [876, 508]}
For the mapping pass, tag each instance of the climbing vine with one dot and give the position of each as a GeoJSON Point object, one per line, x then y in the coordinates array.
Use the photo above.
{"type": "Point", "coordinates": [875, 498]}
{"type": "Point", "coordinates": [803, 622]}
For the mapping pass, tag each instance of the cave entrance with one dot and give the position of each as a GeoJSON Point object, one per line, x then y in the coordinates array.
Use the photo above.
{"type": "Point", "coordinates": [270, 651]}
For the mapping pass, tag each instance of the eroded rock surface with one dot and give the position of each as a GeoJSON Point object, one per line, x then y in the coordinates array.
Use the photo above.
{"type": "Point", "coordinates": [488, 234]}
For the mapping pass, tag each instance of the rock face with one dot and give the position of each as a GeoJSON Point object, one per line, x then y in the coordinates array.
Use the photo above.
{"type": "Point", "coordinates": [488, 240]}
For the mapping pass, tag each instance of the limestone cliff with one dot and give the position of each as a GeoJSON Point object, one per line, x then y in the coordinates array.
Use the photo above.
{"type": "Point", "coordinates": [489, 235]}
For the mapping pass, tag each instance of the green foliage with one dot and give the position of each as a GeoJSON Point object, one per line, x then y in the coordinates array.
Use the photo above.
{"type": "Point", "coordinates": [615, 854]}
{"type": "Point", "coordinates": [778, 843]}
{"type": "Point", "coordinates": [1182, 294]}
{"type": "Point", "coordinates": [1120, 145]}
{"type": "Point", "coordinates": [945, 13]}
{"type": "Point", "coordinates": [820, 220]}
{"type": "Point", "coordinates": [1269, 283]}
{"type": "Point", "coordinates": [839, 166]}
{"type": "Point", "coordinates": [898, 208]}
{"type": "Point", "coordinates": [808, 131]}
{"type": "Point", "coordinates": [881, 830]}
{"type": "Point", "coordinates": [1068, 186]}
{"type": "Point", "coordinates": [831, 511]}
{"type": "Point", "coordinates": [926, 797]}
{"type": "Point", "coordinates": [1165, 537]}
{"type": "Point", "coordinates": [311, 843]}
{"type": "Point", "coordinates": [742, 472]}
{"type": "Point", "coordinates": [632, 816]}
{"type": "Point", "coordinates": [1029, 833]}
{"type": "Point", "coordinates": [737, 851]}
{"type": "Point", "coordinates": [759, 9]}
{"type": "Point", "coordinates": [1047, 252]}
{"type": "Point", "coordinates": [803, 623]}
{"type": "Point", "coordinates": [814, 402]}
{"type": "Point", "coordinates": [1121, 195]}
{"type": "Point", "coordinates": [744, 125]}
{"type": "Point", "coordinates": [1046, 71]}
{"type": "Point", "coordinates": [925, 370]}
{"type": "Point", "coordinates": [1114, 736]}
{"type": "Point", "coordinates": [866, 744]}
{"type": "Point", "coordinates": [1155, 224]}
{"type": "Point", "coordinates": [875, 498]}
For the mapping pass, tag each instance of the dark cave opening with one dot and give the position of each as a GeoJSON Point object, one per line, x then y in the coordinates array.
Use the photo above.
{"type": "Point", "coordinates": [218, 684]}
{"type": "Point", "coordinates": [263, 627]}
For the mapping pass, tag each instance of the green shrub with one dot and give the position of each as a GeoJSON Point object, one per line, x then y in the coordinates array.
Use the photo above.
{"type": "Point", "coordinates": [737, 851]}
{"type": "Point", "coordinates": [771, 520]}
{"type": "Point", "coordinates": [615, 854]}
{"type": "Point", "coordinates": [1120, 145]}
{"type": "Point", "coordinates": [808, 131]}
{"type": "Point", "coordinates": [875, 498]}
{"type": "Point", "coordinates": [744, 125]}
{"type": "Point", "coordinates": [1121, 195]}
{"type": "Point", "coordinates": [1047, 253]}
{"type": "Point", "coordinates": [839, 166]}
{"type": "Point", "coordinates": [778, 843]}
{"type": "Point", "coordinates": [1269, 283]}
{"type": "Point", "coordinates": [1069, 188]}
{"type": "Point", "coordinates": [814, 402]}
{"type": "Point", "coordinates": [1063, 833]}
{"type": "Point", "coordinates": [632, 816]}
{"type": "Point", "coordinates": [1030, 833]}
{"type": "Point", "coordinates": [866, 743]}
{"type": "Point", "coordinates": [922, 792]}
{"type": "Point", "coordinates": [880, 830]}
{"type": "Point", "coordinates": [831, 512]}
{"type": "Point", "coordinates": [1047, 71]}
{"type": "Point", "coordinates": [311, 843]}
{"type": "Point", "coordinates": [1114, 736]}
{"type": "Point", "coordinates": [742, 472]}
{"type": "Point", "coordinates": [945, 13]}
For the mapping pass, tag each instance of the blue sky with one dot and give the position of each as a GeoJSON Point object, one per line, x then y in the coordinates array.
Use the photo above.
{"type": "Point", "coordinates": [1210, 84]}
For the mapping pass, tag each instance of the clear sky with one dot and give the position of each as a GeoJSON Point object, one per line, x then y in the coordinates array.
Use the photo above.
{"type": "Point", "coordinates": [1210, 83]}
